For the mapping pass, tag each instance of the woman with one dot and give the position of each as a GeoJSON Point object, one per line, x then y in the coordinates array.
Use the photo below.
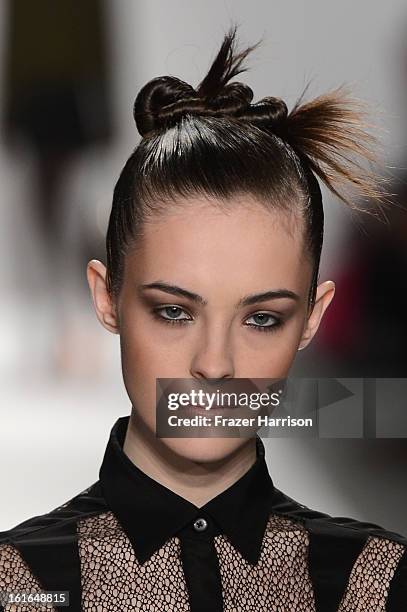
{"type": "Point", "coordinates": [213, 249]}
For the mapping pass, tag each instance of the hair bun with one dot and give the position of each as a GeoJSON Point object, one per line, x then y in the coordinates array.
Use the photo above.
{"type": "Point", "coordinates": [269, 114]}
{"type": "Point", "coordinates": [232, 100]}
{"type": "Point", "coordinates": [162, 98]}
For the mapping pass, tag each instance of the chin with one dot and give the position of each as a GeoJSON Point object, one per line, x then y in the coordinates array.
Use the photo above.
{"type": "Point", "coordinates": [204, 450]}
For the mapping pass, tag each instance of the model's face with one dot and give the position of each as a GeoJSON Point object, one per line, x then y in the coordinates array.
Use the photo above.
{"type": "Point", "coordinates": [224, 258]}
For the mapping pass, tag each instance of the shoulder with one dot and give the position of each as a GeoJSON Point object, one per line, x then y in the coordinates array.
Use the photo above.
{"type": "Point", "coordinates": [41, 552]}
{"type": "Point", "coordinates": [56, 521]}
{"type": "Point", "coordinates": [326, 524]}
{"type": "Point", "coordinates": [349, 558]}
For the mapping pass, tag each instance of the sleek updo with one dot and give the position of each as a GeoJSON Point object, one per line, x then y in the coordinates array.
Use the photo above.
{"type": "Point", "coordinates": [214, 141]}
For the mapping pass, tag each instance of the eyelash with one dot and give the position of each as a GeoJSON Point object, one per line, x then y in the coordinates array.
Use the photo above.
{"type": "Point", "coordinates": [260, 328]}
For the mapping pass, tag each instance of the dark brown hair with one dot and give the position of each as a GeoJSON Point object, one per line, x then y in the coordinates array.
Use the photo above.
{"type": "Point", "coordinates": [213, 141]}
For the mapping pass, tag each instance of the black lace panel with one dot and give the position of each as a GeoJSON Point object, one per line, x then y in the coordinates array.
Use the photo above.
{"type": "Point", "coordinates": [371, 575]}
{"type": "Point", "coordinates": [113, 580]}
{"type": "Point", "coordinates": [16, 576]}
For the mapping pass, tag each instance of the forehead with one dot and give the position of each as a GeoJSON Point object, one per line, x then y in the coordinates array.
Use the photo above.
{"type": "Point", "coordinates": [242, 244]}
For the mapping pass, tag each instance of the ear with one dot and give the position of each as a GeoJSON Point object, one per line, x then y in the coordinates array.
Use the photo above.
{"type": "Point", "coordinates": [104, 306]}
{"type": "Point", "coordinates": [324, 295]}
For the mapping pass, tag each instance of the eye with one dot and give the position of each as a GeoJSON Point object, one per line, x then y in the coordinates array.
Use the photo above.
{"type": "Point", "coordinates": [263, 321]}
{"type": "Point", "coordinates": [171, 314]}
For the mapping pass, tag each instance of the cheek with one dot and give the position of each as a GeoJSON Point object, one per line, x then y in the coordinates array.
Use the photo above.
{"type": "Point", "coordinates": [145, 357]}
{"type": "Point", "coordinates": [148, 350]}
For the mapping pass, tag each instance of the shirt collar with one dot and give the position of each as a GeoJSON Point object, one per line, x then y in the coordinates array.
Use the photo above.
{"type": "Point", "coordinates": [151, 513]}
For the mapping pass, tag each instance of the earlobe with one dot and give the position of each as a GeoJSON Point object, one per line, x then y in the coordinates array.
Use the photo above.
{"type": "Point", "coordinates": [324, 296]}
{"type": "Point", "coordinates": [104, 307]}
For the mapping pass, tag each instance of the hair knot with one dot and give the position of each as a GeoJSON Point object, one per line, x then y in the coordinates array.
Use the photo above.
{"type": "Point", "coordinates": [164, 100]}
{"type": "Point", "coordinates": [269, 114]}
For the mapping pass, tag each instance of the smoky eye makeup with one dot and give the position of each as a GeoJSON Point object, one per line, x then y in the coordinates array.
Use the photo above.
{"type": "Point", "coordinates": [174, 314]}
{"type": "Point", "coordinates": [260, 319]}
{"type": "Point", "coordinates": [264, 321]}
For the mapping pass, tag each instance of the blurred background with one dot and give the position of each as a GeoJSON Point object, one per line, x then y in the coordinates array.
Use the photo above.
{"type": "Point", "coordinates": [69, 74]}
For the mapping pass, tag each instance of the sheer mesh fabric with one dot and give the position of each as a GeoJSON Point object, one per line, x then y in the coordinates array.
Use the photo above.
{"type": "Point", "coordinates": [280, 579]}
{"type": "Point", "coordinates": [16, 576]}
{"type": "Point", "coordinates": [371, 575]}
{"type": "Point", "coordinates": [114, 581]}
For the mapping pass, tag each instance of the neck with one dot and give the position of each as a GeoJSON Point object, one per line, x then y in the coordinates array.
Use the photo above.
{"type": "Point", "coordinates": [196, 482]}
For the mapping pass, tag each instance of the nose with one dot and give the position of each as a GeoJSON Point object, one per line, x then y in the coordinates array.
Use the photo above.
{"type": "Point", "coordinates": [213, 358]}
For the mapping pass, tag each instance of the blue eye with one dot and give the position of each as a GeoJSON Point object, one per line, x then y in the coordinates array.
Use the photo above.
{"type": "Point", "coordinates": [175, 315]}
{"type": "Point", "coordinates": [263, 321]}
{"type": "Point", "coordinates": [172, 313]}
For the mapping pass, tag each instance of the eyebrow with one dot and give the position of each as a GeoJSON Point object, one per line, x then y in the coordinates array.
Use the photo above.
{"type": "Point", "coordinates": [248, 300]}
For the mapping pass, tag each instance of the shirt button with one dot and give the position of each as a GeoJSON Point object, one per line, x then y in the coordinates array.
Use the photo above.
{"type": "Point", "coordinates": [200, 524]}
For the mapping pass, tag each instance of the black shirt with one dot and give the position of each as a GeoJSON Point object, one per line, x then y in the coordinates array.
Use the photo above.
{"type": "Point", "coordinates": [128, 543]}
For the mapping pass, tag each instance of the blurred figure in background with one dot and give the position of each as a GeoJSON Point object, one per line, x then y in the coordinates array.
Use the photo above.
{"type": "Point", "coordinates": [365, 331]}
{"type": "Point", "coordinates": [365, 334]}
{"type": "Point", "coordinates": [57, 105]}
